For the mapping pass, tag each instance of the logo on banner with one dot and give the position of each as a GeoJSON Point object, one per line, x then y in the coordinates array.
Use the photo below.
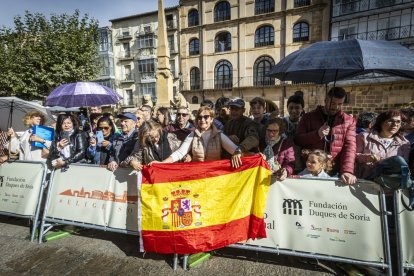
{"type": "Point", "coordinates": [1, 181]}
{"type": "Point", "coordinates": [100, 195]}
{"type": "Point", "coordinates": [181, 207]}
{"type": "Point", "coordinates": [292, 207]}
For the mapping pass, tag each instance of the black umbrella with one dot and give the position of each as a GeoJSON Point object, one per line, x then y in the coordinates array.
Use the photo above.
{"type": "Point", "coordinates": [328, 61]}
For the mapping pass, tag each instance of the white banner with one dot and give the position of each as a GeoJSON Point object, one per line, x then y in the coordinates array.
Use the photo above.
{"type": "Point", "coordinates": [406, 229]}
{"type": "Point", "coordinates": [325, 217]}
{"type": "Point", "coordinates": [20, 185]}
{"type": "Point", "coordinates": [96, 196]}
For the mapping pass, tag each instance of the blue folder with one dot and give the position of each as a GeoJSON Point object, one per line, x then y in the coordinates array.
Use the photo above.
{"type": "Point", "coordinates": [44, 132]}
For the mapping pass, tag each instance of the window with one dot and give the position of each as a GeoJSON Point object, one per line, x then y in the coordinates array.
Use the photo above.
{"type": "Point", "coordinates": [146, 68]}
{"type": "Point", "coordinates": [222, 11]}
{"type": "Point", "coordinates": [300, 3]}
{"type": "Point", "coordinates": [264, 6]}
{"type": "Point", "coordinates": [194, 100]}
{"type": "Point", "coordinates": [171, 43]}
{"type": "Point", "coordinates": [194, 47]}
{"type": "Point", "coordinates": [264, 36]}
{"type": "Point", "coordinates": [223, 75]}
{"type": "Point", "coordinates": [262, 66]}
{"type": "Point", "coordinates": [146, 41]}
{"type": "Point", "coordinates": [172, 67]}
{"type": "Point", "coordinates": [129, 99]}
{"type": "Point", "coordinates": [127, 73]}
{"type": "Point", "coordinates": [147, 89]}
{"type": "Point", "coordinates": [300, 32]}
{"type": "Point", "coordinates": [223, 42]}
{"type": "Point", "coordinates": [105, 40]}
{"type": "Point", "coordinates": [193, 18]}
{"type": "Point", "coordinates": [126, 50]}
{"type": "Point", "coordinates": [194, 78]}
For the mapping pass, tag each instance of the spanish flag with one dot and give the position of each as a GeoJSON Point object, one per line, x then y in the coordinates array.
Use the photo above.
{"type": "Point", "coordinates": [195, 207]}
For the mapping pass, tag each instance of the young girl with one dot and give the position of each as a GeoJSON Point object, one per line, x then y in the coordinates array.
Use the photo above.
{"type": "Point", "coordinates": [317, 164]}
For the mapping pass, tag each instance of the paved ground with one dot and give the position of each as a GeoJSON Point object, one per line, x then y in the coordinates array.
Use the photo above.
{"type": "Point", "coordinates": [93, 252]}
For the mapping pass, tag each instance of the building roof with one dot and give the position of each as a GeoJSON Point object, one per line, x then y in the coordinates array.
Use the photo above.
{"type": "Point", "coordinates": [167, 9]}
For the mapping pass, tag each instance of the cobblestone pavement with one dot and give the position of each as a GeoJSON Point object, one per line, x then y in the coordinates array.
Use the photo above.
{"type": "Point", "coordinates": [92, 252]}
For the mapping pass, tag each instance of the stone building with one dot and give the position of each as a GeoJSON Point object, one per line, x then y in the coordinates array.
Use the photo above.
{"type": "Point", "coordinates": [391, 20]}
{"type": "Point", "coordinates": [228, 46]}
{"type": "Point", "coordinates": [135, 54]}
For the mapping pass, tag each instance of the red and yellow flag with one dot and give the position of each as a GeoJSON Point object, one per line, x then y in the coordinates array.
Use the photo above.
{"type": "Point", "coordinates": [196, 207]}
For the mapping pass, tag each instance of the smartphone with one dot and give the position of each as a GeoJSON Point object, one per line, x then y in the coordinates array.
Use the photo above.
{"type": "Point", "coordinates": [65, 135]}
{"type": "Point", "coordinates": [99, 137]}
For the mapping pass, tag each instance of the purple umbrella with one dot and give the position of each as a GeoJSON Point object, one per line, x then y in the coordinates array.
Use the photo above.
{"type": "Point", "coordinates": [82, 94]}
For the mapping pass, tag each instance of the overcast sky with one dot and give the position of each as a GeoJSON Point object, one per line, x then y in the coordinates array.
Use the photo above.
{"type": "Point", "coordinates": [102, 10]}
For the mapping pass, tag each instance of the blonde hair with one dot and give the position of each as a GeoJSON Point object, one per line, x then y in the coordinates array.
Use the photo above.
{"type": "Point", "coordinates": [323, 158]}
{"type": "Point", "coordinates": [31, 114]}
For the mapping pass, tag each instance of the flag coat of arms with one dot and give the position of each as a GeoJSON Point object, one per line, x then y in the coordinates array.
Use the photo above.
{"type": "Point", "coordinates": [187, 208]}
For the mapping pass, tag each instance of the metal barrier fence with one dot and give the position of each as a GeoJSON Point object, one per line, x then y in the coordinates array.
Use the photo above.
{"type": "Point", "coordinates": [21, 190]}
{"type": "Point", "coordinates": [321, 219]}
{"type": "Point", "coordinates": [405, 229]}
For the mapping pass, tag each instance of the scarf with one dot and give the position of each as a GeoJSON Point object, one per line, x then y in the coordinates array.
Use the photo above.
{"type": "Point", "coordinates": [270, 154]}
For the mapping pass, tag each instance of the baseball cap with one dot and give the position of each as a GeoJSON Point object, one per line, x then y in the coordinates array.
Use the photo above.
{"type": "Point", "coordinates": [237, 102]}
{"type": "Point", "coordinates": [128, 115]}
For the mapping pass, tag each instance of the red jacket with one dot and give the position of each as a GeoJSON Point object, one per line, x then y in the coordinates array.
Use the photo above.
{"type": "Point", "coordinates": [343, 146]}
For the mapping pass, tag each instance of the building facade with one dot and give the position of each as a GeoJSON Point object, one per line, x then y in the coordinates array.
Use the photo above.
{"type": "Point", "coordinates": [135, 54]}
{"type": "Point", "coordinates": [391, 20]}
{"type": "Point", "coordinates": [228, 46]}
{"type": "Point", "coordinates": [106, 58]}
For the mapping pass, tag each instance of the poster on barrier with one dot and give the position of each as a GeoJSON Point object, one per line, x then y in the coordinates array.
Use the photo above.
{"type": "Point", "coordinates": [20, 185]}
{"type": "Point", "coordinates": [406, 229]}
{"type": "Point", "coordinates": [96, 196]}
{"type": "Point", "coordinates": [325, 217]}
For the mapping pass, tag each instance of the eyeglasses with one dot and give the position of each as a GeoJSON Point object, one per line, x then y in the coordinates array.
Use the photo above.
{"type": "Point", "coordinates": [105, 128]}
{"type": "Point", "coordinates": [182, 114]}
{"type": "Point", "coordinates": [205, 117]}
{"type": "Point", "coordinates": [395, 122]}
{"type": "Point", "coordinates": [272, 130]}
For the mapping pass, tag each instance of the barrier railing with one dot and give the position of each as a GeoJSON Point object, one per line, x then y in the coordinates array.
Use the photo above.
{"type": "Point", "coordinates": [21, 190]}
{"type": "Point", "coordinates": [326, 220]}
{"type": "Point", "coordinates": [92, 197]}
{"type": "Point", "coordinates": [405, 230]}
{"type": "Point", "coordinates": [314, 218]}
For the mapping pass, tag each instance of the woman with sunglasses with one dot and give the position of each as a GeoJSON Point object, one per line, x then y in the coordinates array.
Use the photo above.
{"type": "Point", "coordinates": [69, 144]}
{"type": "Point", "coordinates": [98, 151]}
{"type": "Point", "coordinates": [277, 149]}
{"type": "Point", "coordinates": [384, 141]}
{"type": "Point", "coordinates": [206, 142]}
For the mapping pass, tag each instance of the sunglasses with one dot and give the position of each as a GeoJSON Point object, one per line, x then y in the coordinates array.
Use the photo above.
{"type": "Point", "coordinates": [182, 114]}
{"type": "Point", "coordinates": [205, 117]}
{"type": "Point", "coordinates": [105, 128]}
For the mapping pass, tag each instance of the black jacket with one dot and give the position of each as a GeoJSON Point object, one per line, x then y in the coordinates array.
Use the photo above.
{"type": "Point", "coordinates": [77, 149]}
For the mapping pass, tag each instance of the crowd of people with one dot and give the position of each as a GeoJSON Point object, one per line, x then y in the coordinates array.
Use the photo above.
{"type": "Point", "coordinates": [322, 143]}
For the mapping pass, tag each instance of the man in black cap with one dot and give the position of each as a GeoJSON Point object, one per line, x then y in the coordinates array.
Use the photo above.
{"type": "Point", "coordinates": [242, 130]}
{"type": "Point", "coordinates": [124, 144]}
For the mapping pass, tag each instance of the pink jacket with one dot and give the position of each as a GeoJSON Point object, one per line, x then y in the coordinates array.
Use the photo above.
{"type": "Point", "coordinates": [343, 146]}
{"type": "Point", "coordinates": [368, 144]}
{"type": "Point", "coordinates": [286, 157]}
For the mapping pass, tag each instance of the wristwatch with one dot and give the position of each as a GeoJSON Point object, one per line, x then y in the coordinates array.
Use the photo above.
{"type": "Point", "coordinates": [237, 151]}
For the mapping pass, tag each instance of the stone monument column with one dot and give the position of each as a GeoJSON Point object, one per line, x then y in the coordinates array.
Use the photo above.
{"type": "Point", "coordinates": [163, 75]}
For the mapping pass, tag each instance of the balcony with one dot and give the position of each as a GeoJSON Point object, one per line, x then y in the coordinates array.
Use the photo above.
{"type": "Point", "coordinates": [125, 55]}
{"type": "Point", "coordinates": [147, 77]}
{"type": "Point", "coordinates": [171, 25]}
{"type": "Point", "coordinates": [383, 34]}
{"type": "Point", "coordinates": [128, 103]}
{"type": "Point", "coordinates": [145, 30]}
{"type": "Point", "coordinates": [128, 78]}
{"type": "Point", "coordinates": [229, 83]}
{"type": "Point", "coordinates": [145, 53]}
{"type": "Point", "coordinates": [363, 5]}
{"type": "Point", "coordinates": [124, 35]}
